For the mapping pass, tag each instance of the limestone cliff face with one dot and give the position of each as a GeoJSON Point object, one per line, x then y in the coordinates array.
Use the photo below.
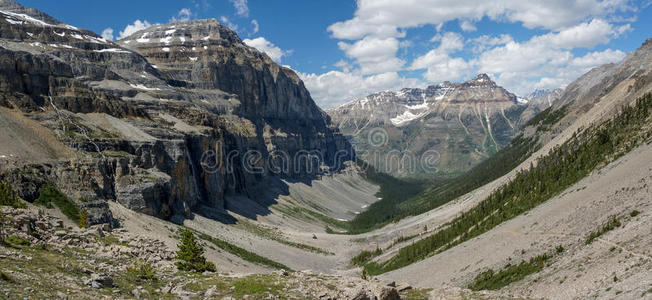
{"type": "Point", "coordinates": [443, 129]}
{"type": "Point", "coordinates": [166, 122]}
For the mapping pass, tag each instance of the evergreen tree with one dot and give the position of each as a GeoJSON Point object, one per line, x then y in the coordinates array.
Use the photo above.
{"type": "Point", "coordinates": [191, 255]}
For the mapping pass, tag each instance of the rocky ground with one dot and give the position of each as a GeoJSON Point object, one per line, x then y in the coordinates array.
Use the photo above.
{"type": "Point", "coordinates": [43, 257]}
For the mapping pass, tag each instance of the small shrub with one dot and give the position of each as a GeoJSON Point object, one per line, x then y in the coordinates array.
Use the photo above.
{"type": "Point", "coordinates": [559, 249]}
{"type": "Point", "coordinates": [5, 277]}
{"type": "Point", "coordinates": [16, 242]}
{"type": "Point", "coordinates": [141, 271]}
{"type": "Point", "coordinates": [365, 256]}
{"type": "Point", "coordinates": [610, 225]}
{"type": "Point", "coordinates": [8, 197]}
{"type": "Point", "coordinates": [49, 195]}
{"type": "Point", "coordinates": [83, 219]}
{"type": "Point", "coordinates": [191, 255]}
{"type": "Point", "coordinates": [634, 213]}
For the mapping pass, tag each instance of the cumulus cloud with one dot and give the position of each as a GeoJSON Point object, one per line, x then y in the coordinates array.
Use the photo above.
{"type": "Point", "coordinates": [107, 34]}
{"type": "Point", "coordinates": [546, 61]}
{"type": "Point", "coordinates": [263, 45]}
{"type": "Point", "coordinates": [384, 18]}
{"type": "Point", "coordinates": [372, 38]}
{"type": "Point", "coordinates": [133, 28]}
{"type": "Point", "coordinates": [241, 7]}
{"type": "Point", "coordinates": [374, 55]}
{"type": "Point", "coordinates": [351, 85]}
{"type": "Point", "coordinates": [438, 61]}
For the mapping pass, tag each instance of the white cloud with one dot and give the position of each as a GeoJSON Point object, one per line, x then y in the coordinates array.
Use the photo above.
{"type": "Point", "coordinates": [466, 25]}
{"type": "Point", "coordinates": [374, 55]}
{"type": "Point", "coordinates": [385, 18]}
{"type": "Point", "coordinates": [378, 29]}
{"type": "Point", "coordinates": [241, 7]}
{"type": "Point", "coordinates": [593, 59]}
{"type": "Point", "coordinates": [183, 15]}
{"type": "Point", "coordinates": [133, 28]}
{"type": "Point", "coordinates": [483, 42]}
{"type": "Point", "coordinates": [263, 45]}
{"type": "Point", "coordinates": [107, 34]}
{"type": "Point", "coordinates": [334, 88]}
{"type": "Point", "coordinates": [438, 62]}
{"type": "Point", "coordinates": [254, 23]}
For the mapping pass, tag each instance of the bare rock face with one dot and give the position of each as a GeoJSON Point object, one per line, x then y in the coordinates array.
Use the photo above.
{"type": "Point", "coordinates": [443, 129]}
{"type": "Point", "coordinates": [166, 122]}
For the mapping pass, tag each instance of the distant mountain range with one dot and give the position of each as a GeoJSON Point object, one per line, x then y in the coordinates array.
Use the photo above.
{"type": "Point", "coordinates": [451, 126]}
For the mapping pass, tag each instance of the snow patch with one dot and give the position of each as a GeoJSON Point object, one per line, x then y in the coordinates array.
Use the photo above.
{"type": "Point", "coordinates": [170, 32]}
{"type": "Point", "coordinates": [166, 40]}
{"type": "Point", "coordinates": [364, 102]}
{"type": "Point", "coordinates": [113, 50]}
{"type": "Point", "coordinates": [59, 34]}
{"type": "Point", "coordinates": [407, 116]}
{"type": "Point", "coordinates": [143, 87]}
{"type": "Point", "coordinates": [26, 18]}
{"type": "Point", "coordinates": [15, 22]}
{"type": "Point", "coordinates": [193, 58]}
{"type": "Point", "coordinates": [166, 49]}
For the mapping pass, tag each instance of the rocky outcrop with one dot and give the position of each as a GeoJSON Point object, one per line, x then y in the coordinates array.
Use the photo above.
{"type": "Point", "coordinates": [442, 130]}
{"type": "Point", "coordinates": [166, 122]}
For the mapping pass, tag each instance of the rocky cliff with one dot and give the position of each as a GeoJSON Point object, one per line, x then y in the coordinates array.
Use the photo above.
{"type": "Point", "coordinates": [166, 122]}
{"type": "Point", "coordinates": [443, 129]}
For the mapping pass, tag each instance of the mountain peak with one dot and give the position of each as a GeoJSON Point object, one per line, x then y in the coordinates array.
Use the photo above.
{"type": "Point", "coordinates": [481, 79]}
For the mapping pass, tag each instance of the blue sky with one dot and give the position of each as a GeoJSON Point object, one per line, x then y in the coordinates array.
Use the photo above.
{"type": "Point", "coordinates": [348, 49]}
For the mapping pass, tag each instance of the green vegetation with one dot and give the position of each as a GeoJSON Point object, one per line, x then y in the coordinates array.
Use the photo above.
{"type": "Point", "coordinates": [495, 280]}
{"type": "Point", "coordinates": [634, 213]}
{"type": "Point", "coordinates": [407, 203]}
{"type": "Point", "coordinates": [110, 239]}
{"type": "Point", "coordinates": [191, 255]}
{"type": "Point", "coordinates": [393, 191]}
{"type": "Point", "coordinates": [16, 242]}
{"type": "Point", "coordinates": [547, 118]}
{"type": "Point", "coordinates": [141, 271]}
{"type": "Point", "coordinates": [610, 225]}
{"type": "Point", "coordinates": [9, 198]}
{"type": "Point", "coordinates": [242, 253]}
{"type": "Point", "coordinates": [365, 256]}
{"type": "Point", "coordinates": [6, 278]}
{"type": "Point", "coordinates": [49, 195]}
{"type": "Point", "coordinates": [565, 165]}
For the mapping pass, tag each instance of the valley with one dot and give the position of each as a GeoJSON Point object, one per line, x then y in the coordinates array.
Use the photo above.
{"type": "Point", "coordinates": [113, 154]}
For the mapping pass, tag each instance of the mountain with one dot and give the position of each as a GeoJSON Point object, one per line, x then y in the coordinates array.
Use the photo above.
{"type": "Point", "coordinates": [575, 185]}
{"type": "Point", "coordinates": [172, 120]}
{"type": "Point", "coordinates": [451, 126]}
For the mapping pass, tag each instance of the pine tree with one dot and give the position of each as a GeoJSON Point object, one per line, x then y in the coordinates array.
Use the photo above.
{"type": "Point", "coordinates": [191, 255]}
